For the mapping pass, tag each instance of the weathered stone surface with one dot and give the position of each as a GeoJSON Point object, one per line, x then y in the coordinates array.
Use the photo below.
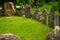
{"type": "Point", "coordinates": [36, 15]}
{"type": "Point", "coordinates": [8, 37]}
{"type": "Point", "coordinates": [28, 11]}
{"type": "Point", "coordinates": [44, 17]}
{"type": "Point", "coordinates": [57, 27]}
{"type": "Point", "coordinates": [22, 10]}
{"type": "Point", "coordinates": [9, 9]}
{"type": "Point", "coordinates": [51, 18]}
{"type": "Point", "coordinates": [56, 33]}
{"type": "Point", "coordinates": [50, 36]}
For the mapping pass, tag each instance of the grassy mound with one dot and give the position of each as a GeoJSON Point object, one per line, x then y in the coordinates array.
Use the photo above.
{"type": "Point", "coordinates": [26, 29]}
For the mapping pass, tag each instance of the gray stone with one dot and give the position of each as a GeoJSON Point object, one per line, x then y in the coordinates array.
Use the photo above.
{"type": "Point", "coordinates": [8, 37]}
{"type": "Point", "coordinates": [44, 17]}
{"type": "Point", "coordinates": [28, 11]}
{"type": "Point", "coordinates": [22, 11]}
{"type": "Point", "coordinates": [55, 35]}
{"type": "Point", "coordinates": [51, 18]}
{"type": "Point", "coordinates": [36, 15]}
{"type": "Point", "coordinates": [50, 36]}
{"type": "Point", "coordinates": [57, 27]}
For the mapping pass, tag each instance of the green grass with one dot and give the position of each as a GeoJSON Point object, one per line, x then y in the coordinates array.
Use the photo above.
{"type": "Point", "coordinates": [24, 28]}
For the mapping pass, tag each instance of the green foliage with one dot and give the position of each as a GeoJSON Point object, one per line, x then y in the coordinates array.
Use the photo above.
{"type": "Point", "coordinates": [26, 29]}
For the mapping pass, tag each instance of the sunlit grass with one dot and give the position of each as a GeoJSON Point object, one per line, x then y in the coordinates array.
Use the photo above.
{"type": "Point", "coordinates": [24, 28]}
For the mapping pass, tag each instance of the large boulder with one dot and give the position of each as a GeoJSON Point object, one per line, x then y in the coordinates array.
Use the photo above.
{"type": "Point", "coordinates": [53, 36]}
{"type": "Point", "coordinates": [9, 9]}
{"type": "Point", "coordinates": [50, 36]}
{"type": "Point", "coordinates": [8, 37]}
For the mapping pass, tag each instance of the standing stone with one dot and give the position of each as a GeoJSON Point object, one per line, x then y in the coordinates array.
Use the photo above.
{"type": "Point", "coordinates": [22, 11]}
{"type": "Point", "coordinates": [56, 34]}
{"type": "Point", "coordinates": [28, 11]}
{"type": "Point", "coordinates": [36, 15]}
{"type": "Point", "coordinates": [13, 11]}
{"type": "Point", "coordinates": [57, 27]}
{"type": "Point", "coordinates": [9, 9]}
{"type": "Point", "coordinates": [44, 17]}
{"type": "Point", "coordinates": [5, 8]}
{"type": "Point", "coordinates": [51, 18]}
{"type": "Point", "coordinates": [8, 37]}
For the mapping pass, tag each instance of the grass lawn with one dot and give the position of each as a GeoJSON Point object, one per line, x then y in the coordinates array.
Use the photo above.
{"type": "Point", "coordinates": [24, 28]}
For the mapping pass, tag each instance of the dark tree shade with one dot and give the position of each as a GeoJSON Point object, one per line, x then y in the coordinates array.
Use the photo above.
{"type": "Point", "coordinates": [2, 1]}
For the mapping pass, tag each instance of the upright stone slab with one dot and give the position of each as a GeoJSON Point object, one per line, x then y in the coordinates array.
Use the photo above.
{"type": "Point", "coordinates": [13, 11]}
{"type": "Point", "coordinates": [36, 15]}
{"type": "Point", "coordinates": [22, 10]}
{"type": "Point", "coordinates": [56, 34]}
{"type": "Point", "coordinates": [44, 17]}
{"type": "Point", "coordinates": [8, 37]}
{"type": "Point", "coordinates": [51, 18]}
{"type": "Point", "coordinates": [9, 9]}
{"type": "Point", "coordinates": [57, 27]}
{"type": "Point", "coordinates": [28, 11]}
{"type": "Point", "coordinates": [5, 8]}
